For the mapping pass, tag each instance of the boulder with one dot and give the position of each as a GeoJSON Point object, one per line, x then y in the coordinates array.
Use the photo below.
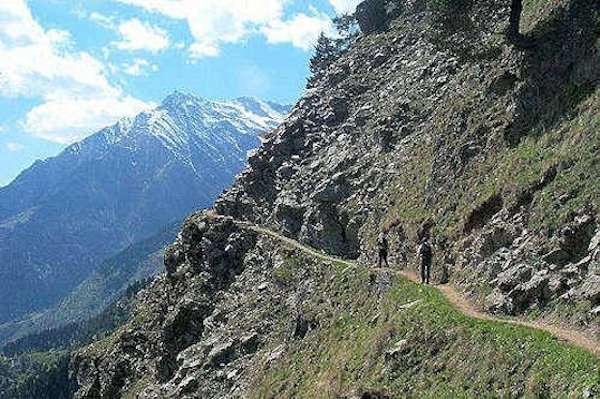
{"type": "Point", "coordinates": [575, 237]}
{"type": "Point", "coordinates": [339, 107]}
{"type": "Point", "coordinates": [558, 285]}
{"type": "Point", "coordinates": [380, 58]}
{"type": "Point", "coordinates": [537, 289]}
{"type": "Point", "coordinates": [594, 242]}
{"type": "Point", "coordinates": [400, 348]}
{"type": "Point", "coordinates": [497, 302]}
{"type": "Point", "coordinates": [191, 235]}
{"type": "Point", "coordinates": [532, 290]}
{"type": "Point", "coordinates": [285, 171]}
{"type": "Point", "coordinates": [222, 353]}
{"type": "Point", "coordinates": [332, 190]}
{"type": "Point", "coordinates": [371, 16]}
{"type": "Point", "coordinates": [514, 276]}
{"type": "Point", "coordinates": [590, 289]}
{"type": "Point", "coordinates": [557, 256]}
{"type": "Point", "coordinates": [493, 239]}
{"type": "Point", "coordinates": [174, 256]}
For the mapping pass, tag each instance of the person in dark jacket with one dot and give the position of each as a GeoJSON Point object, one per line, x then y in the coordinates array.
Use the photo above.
{"type": "Point", "coordinates": [383, 246]}
{"type": "Point", "coordinates": [426, 254]}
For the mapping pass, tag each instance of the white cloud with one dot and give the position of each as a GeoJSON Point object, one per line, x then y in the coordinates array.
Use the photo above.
{"type": "Point", "coordinates": [139, 67]}
{"type": "Point", "coordinates": [345, 6]}
{"type": "Point", "coordinates": [103, 20]}
{"type": "Point", "coordinates": [59, 37]}
{"type": "Point", "coordinates": [75, 95]}
{"type": "Point", "coordinates": [14, 147]}
{"type": "Point", "coordinates": [65, 119]}
{"type": "Point", "coordinates": [213, 23]}
{"type": "Point", "coordinates": [138, 35]}
{"type": "Point", "coordinates": [201, 49]}
{"type": "Point", "coordinates": [302, 30]}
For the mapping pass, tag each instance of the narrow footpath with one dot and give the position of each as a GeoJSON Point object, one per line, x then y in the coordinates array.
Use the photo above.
{"type": "Point", "coordinates": [454, 297]}
{"type": "Point", "coordinates": [459, 302]}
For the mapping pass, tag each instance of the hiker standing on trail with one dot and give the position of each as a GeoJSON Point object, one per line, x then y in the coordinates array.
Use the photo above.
{"type": "Point", "coordinates": [382, 246]}
{"type": "Point", "coordinates": [425, 253]}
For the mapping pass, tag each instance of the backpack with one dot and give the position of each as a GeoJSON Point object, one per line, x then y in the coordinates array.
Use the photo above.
{"type": "Point", "coordinates": [425, 250]}
{"type": "Point", "coordinates": [382, 244]}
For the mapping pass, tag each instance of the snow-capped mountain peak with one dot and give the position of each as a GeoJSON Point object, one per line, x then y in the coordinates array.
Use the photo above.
{"type": "Point", "coordinates": [183, 118]}
{"type": "Point", "coordinates": [118, 186]}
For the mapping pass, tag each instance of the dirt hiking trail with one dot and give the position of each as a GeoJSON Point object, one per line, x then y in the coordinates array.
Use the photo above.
{"type": "Point", "coordinates": [454, 297]}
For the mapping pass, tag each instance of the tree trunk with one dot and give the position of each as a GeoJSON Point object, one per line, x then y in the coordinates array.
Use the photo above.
{"type": "Point", "coordinates": [516, 8]}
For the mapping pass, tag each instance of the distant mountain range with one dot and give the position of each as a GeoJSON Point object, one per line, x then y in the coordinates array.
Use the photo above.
{"type": "Point", "coordinates": [63, 216]}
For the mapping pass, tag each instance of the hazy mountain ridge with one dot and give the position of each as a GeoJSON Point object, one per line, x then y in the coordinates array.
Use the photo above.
{"type": "Point", "coordinates": [140, 261]}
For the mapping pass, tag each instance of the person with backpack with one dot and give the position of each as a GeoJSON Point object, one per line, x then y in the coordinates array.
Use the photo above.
{"type": "Point", "coordinates": [383, 246]}
{"type": "Point", "coordinates": [425, 254]}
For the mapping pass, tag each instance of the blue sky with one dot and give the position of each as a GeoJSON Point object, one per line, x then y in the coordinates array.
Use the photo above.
{"type": "Point", "coordinates": [70, 67]}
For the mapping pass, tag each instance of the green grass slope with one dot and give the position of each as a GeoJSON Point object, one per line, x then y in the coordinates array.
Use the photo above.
{"type": "Point", "coordinates": [383, 335]}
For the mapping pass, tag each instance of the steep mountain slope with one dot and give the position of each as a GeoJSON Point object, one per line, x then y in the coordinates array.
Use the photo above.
{"type": "Point", "coordinates": [37, 366]}
{"type": "Point", "coordinates": [440, 126]}
{"type": "Point", "coordinates": [63, 215]}
{"type": "Point", "coordinates": [432, 124]}
{"type": "Point", "coordinates": [138, 262]}
{"type": "Point", "coordinates": [252, 317]}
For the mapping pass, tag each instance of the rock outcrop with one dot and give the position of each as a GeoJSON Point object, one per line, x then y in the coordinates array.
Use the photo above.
{"type": "Point", "coordinates": [371, 16]}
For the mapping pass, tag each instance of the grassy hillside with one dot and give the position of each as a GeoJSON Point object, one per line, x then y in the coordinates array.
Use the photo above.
{"type": "Point", "coordinates": [386, 336]}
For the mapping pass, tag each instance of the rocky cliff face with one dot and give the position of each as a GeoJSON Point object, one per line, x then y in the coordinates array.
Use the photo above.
{"type": "Point", "coordinates": [429, 127]}
{"type": "Point", "coordinates": [431, 123]}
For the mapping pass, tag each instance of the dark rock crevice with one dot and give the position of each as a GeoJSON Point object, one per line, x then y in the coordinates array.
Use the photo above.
{"type": "Point", "coordinates": [483, 213]}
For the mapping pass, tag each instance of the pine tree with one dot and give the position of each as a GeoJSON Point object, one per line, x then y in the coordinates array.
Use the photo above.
{"type": "Point", "coordinates": [325, 54]}
{"type": "Point", "coordinates": [327, 50]}
{"type": "Point", "coordinates": [347, 28]}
